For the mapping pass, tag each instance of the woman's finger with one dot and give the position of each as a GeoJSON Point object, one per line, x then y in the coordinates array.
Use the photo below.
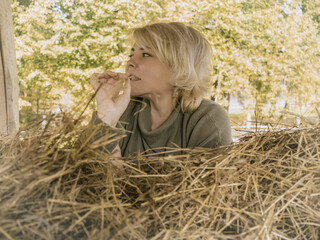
{"type": "Point", "coordinates": [114, 75]}
{"type": "Point", "coordinates": [108, 74]}
{"type": "Point", "coordinates": [94, 81]}
{"type": "Point", "coordinates": [124, 97]}
{"type": "Point", "coordinates": [123, 75]}
{"type": "Point", "coordinates": [112, 83]}
{"type": "Point", "coordinates": [127, 87]}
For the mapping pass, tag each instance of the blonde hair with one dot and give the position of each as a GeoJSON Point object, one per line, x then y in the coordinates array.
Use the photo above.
{"type": "Point", "coordinates": [187, 53]}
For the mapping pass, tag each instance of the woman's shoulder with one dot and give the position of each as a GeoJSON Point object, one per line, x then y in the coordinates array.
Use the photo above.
{"type": "Point", "coordinates": [209, 113]}
{"type": "Point", "coordinates": [209, 125]}
{"type": "Point", "coordinates": [210, 109]}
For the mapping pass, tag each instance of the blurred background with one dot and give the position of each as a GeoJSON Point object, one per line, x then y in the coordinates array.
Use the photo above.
{"type": "Point", "coordinates": [265, 67]}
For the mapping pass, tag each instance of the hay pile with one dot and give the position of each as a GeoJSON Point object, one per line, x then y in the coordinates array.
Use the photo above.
{"type": "Point", "coordinates": [56, 185]}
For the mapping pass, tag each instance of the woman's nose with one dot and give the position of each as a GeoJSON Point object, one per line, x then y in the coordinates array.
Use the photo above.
{"type": "Point", "coordinates": [131, 62]}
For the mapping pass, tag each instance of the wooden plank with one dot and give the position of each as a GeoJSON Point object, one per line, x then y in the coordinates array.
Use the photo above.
{"type": "Point", "coordinates": [9, 77]}
{"type": "Point", "coordinates": [3, 102]}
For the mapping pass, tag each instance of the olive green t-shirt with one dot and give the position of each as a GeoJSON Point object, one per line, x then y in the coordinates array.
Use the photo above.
{"type": "Point", "coordinates": [208, 126]}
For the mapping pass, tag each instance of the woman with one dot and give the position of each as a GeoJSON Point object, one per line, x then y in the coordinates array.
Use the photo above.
{"type": "Point", "coordinates": [167, 76]}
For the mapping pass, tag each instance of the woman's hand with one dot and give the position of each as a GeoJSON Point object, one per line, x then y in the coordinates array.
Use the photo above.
{"type": "Point", "coordinates": [111, 100]}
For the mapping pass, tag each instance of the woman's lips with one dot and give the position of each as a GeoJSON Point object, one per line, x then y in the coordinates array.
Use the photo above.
{"type": "Point", "coordinates": [134, 78]}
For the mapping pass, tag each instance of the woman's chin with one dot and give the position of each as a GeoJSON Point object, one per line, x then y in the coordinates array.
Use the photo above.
{"type": "Point", "coordinates": [138, 94]}
{"type": "Point", "coordinates": [134, 94]}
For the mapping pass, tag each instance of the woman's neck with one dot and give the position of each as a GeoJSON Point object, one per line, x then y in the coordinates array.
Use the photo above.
{"type": "Point", "coordinates": [161, 109]}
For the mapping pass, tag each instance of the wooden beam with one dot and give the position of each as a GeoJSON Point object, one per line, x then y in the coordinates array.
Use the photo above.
{"type": "Point", "coordinates": [3, 101]}
{"type": "Point", "coordinates": [9, 87]}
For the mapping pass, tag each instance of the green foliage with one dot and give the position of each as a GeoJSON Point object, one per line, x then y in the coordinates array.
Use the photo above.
{"type": "Point", "coordinates": [264, 50]}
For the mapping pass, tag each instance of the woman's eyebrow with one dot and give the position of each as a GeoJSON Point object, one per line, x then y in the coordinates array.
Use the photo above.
{"type": "Point", "coordinates": [132, 49]}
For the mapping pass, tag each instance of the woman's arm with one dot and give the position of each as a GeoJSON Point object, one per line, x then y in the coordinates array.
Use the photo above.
{"type": "Point", "coordinates": [111, 103]}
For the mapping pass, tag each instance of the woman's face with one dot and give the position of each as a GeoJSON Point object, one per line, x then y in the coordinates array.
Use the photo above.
{"type": "Point", "coordinates": [150, 77]}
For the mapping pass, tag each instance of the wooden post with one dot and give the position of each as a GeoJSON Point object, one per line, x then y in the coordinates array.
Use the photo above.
{"type": "Point", "coordinates": [9, 87]}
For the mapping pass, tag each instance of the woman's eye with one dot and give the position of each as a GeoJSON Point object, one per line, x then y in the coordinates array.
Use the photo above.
{"type": "Point", "coordinates": [143, 54]}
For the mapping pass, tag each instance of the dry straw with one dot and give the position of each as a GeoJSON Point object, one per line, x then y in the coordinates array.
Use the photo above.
{"type": "Point", "coordinates": [57, 184]}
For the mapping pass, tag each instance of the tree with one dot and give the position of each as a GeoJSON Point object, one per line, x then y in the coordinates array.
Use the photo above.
{"type": "Point", "coordinates": [263, 50]}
